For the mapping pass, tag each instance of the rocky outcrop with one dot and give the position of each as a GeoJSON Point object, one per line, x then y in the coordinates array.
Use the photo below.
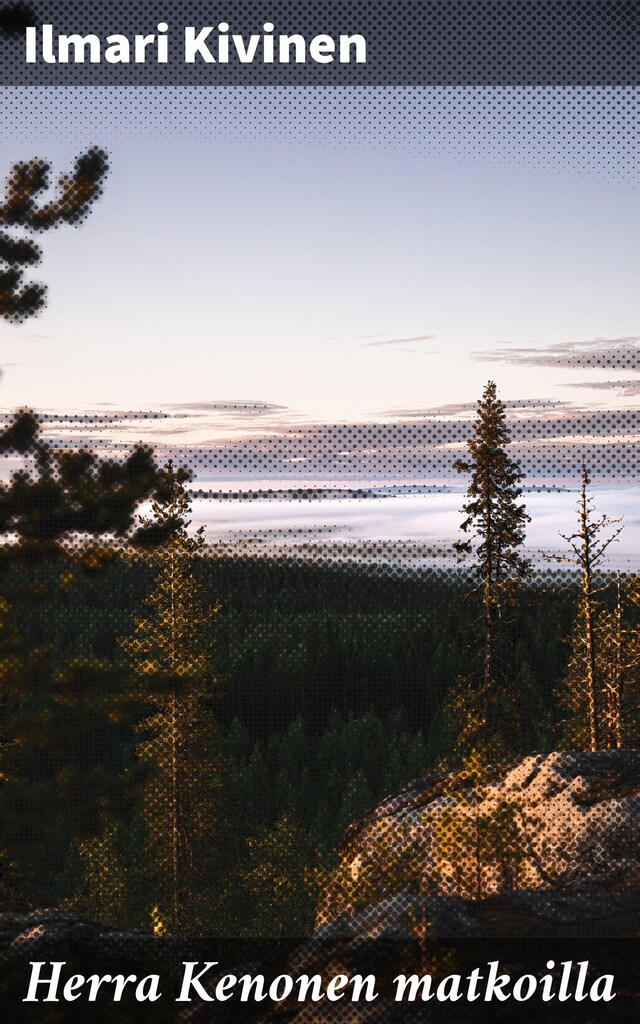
{"type": "Point", "coordinates": [560, 822]}
{"type": "Point", "coordinates": [534, 862]}
{"type": "Point", "coordinates": [528, 864]}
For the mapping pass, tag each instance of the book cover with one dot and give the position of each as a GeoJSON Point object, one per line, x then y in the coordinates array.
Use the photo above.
{"type": "Point", "coordinates": [319, 593]}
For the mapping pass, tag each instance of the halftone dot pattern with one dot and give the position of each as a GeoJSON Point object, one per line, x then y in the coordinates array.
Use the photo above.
{"type": "Point", "coordinates": [480, 833]}
{"type": "Point", "coordinates": [435, 42]}
{"type": "Point", "coordinates": [27, 181]}
{"type": "Point", "coordinates": [493, 124]}
{"type": "Point", "coordinates": [422, 861]}
{"type": "Point", "coordinates": [583, 133]}
{"type": "Point", "coordinates": [550, 444]}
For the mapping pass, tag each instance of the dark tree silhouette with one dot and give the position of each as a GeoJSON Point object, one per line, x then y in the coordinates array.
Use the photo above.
{"type": "Point", "coordinates": [485, 712]}
{"type": "Point", "coordinates": [27, 181]}
{"type": "Point", "coordinates": [63, 765]}
{"type": "Point", "coordinates": [58, 494]}
{"type": "Point", "coordinates": [493, 516]}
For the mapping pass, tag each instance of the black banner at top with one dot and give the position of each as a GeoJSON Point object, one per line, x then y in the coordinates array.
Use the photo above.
{"type": "Point", "coordinates": [272, 42]}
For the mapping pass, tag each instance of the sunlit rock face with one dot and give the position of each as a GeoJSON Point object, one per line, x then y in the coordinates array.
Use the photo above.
{"type": "Point", "coordinates": [566, 821]}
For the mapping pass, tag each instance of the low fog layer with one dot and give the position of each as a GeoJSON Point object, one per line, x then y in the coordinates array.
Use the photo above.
{"type": "Point", "coordinates": [433, 519]}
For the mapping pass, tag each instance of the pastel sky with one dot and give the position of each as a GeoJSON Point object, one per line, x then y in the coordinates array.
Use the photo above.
{"type": "Point", "coordinates": [265, 261]}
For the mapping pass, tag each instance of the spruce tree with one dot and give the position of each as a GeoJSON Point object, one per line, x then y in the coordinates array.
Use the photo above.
{"type": "Point", "coordinates": [595, 635]}
{"type": "Point", "coordinates": [483, 710]}
{"type": "Point", "coordinates": [476, 847]}
{"type": "Point", "coordinates": [64, 760]}
{"type": "Point", "coordinates": [65, 766]}
{"type": "Point", "coordinates": [273, 888]}
{"type": "Point", "coordinates": [172, 651]}
{"type": "Point", "coordinates": [59, 497]}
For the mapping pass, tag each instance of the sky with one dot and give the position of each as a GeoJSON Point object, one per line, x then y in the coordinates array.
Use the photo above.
{"type": "Point", "coordinates": [264, 264]}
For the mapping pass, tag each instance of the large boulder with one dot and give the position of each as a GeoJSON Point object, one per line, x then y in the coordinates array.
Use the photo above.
{"type": "Point", "coordinates": [563, 821]}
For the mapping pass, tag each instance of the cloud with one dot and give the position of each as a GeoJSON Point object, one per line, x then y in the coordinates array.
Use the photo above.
{"type": "Point", "coordinates": [190, 424]}
{"type": "Point", "coordinates": [625, 388]}
{"type": "Point", "coordinates": [197, 417]}
{"type": "Point", "coordinates": [535, 406]}
{"type": "Point", "coordinates": [114, 417]}
{"type": "Point", "coordinates": [400, 341]}
{"type": "Point", "coordinates": [453, 409]}
{"type": "Point", "coordinates": [614, 353]}
{"type": "Point", "coordinates": [240, 408]}
{"type": "Point", "coordinates": [550, 444]}
{"type": "Point", "coordinates": [551, 440]}
{"type": "Point", "coordinates": [23, 334]}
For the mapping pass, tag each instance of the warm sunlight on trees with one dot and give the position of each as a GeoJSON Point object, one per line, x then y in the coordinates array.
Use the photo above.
{"type": "Point", "coordinates": [172, 650]}
{"type": "Point", "coordinates": [594, 639]}
{"type": "Point", "coordinates": [476, 847]}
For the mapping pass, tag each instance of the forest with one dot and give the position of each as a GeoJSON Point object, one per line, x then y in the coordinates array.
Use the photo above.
{"type": "Point", "coordinates": [282, 699]}
{"type": "Point", "coordinates": [187, 736]}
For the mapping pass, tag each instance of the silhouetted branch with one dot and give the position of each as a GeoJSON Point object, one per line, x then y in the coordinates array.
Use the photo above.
{"type": "Point", "coordinates": [77, 192]}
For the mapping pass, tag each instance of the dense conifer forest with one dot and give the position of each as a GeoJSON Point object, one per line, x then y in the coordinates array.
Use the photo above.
{"type": "Point", "coordinates": [331, 684]}
{"type": "Point", "coordinates": [188, 736]}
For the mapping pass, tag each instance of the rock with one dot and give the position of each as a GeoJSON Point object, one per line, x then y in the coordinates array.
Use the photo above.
{"type": "Point", "coordinates": [563, 821]}
{"type": "Point", "coordinates": [89, 947]}
{"type": "Point", "coordinates": [410, 934]}
{"type": "Point", "coordinates": [45, 932]}
{"type": "Point", "coordinates": [522, 931]}
{"type": "Point", "coordinates": [583, 914]}
{"type": "Point", "coordinates": [523, 864]}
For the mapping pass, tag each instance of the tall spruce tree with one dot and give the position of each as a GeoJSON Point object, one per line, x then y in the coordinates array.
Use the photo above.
{"type": "Point", "coordinates": [483, 710]}
{"type": "Point", "coordinates": [172, 650]}
{"type": "Point", "coordinates": [596, 643]}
